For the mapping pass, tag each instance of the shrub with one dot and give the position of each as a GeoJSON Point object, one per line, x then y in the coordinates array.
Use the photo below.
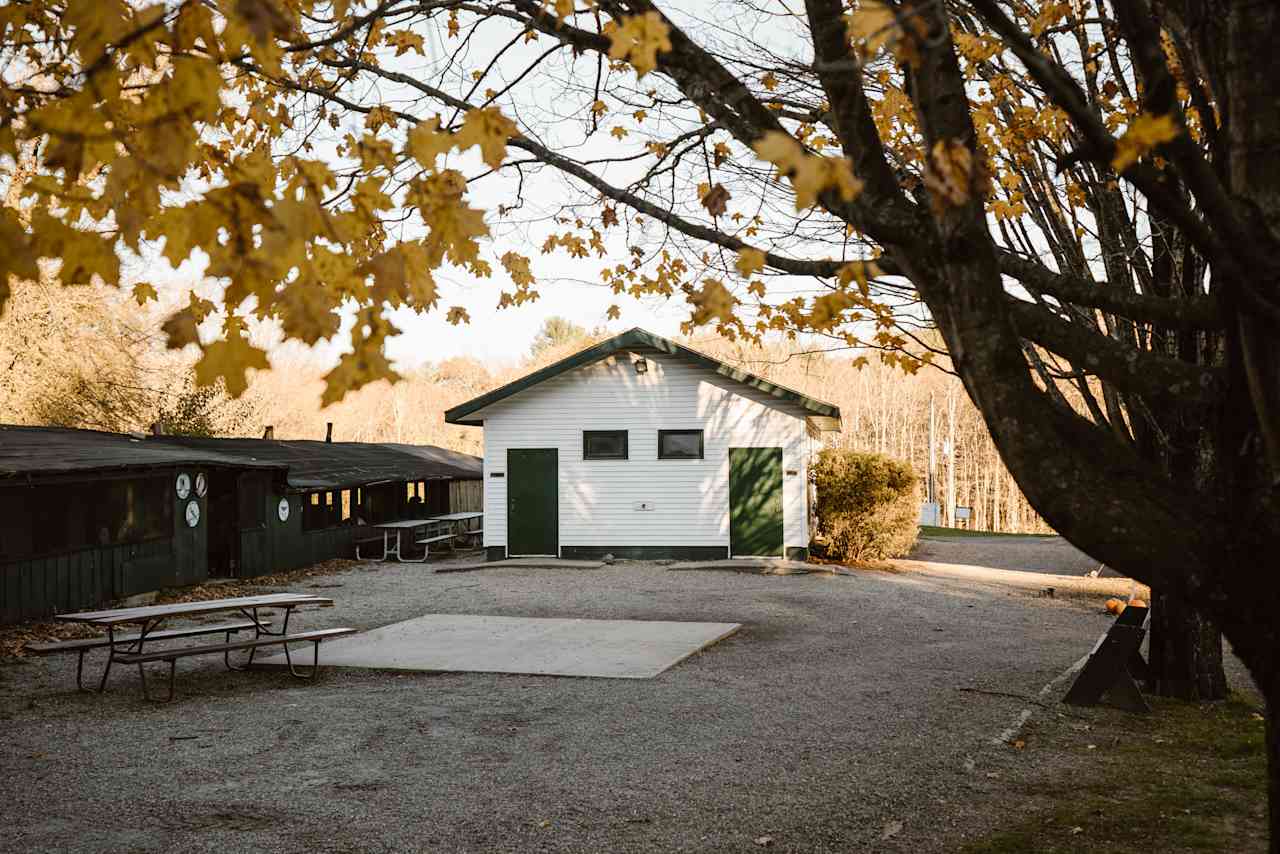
{"type": "Point", "coordinates": [868, 505]}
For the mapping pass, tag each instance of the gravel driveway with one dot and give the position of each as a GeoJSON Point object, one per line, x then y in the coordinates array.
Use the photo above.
{"type": "Point", "coordinates": [831, 722]}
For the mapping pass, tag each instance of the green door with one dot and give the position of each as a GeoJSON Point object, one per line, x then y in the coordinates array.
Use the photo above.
{"type": "Point", "coordinates": [533, 513]}
{"type": "Point", "coordinates": [755, 501]}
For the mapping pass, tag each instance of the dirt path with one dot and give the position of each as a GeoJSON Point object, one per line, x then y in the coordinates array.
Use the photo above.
{"type": "Point", "coordinates": [1051, 555]}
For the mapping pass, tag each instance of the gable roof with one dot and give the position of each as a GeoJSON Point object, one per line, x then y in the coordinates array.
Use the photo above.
{"type": "Point", "coordinates": [826, 414]}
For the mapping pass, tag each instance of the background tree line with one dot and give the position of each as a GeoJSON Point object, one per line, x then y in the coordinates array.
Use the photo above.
{"type": "Point", "coordinates": [75, 358]}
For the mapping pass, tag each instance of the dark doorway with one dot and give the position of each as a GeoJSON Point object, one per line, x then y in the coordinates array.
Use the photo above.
{"type": "Point", "coordinates": [223, 511]}
{"type": "Point", "coordinates": [533, 512]}
{"type": "Point", "coordinates": [755, 501]}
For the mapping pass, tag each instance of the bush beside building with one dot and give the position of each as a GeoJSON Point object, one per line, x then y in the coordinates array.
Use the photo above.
{"type": "Point", "coordinates": [867, 506]}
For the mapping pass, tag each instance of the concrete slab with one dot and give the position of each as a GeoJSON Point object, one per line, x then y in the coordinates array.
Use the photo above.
{"type": "Point", "coordinates": [526, 563]}
{"type": "Point", "coordinates": [611, 649]}
{"type": "Point", "coordinates": [763, 566]}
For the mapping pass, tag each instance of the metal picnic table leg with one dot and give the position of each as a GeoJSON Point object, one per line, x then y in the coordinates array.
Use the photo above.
{"type": "Point", "coordinates": [315, 661]}
{"type": "Point", "coordinates": [147, 627]}
{"type": "Point", "coordinates": [111, 656]}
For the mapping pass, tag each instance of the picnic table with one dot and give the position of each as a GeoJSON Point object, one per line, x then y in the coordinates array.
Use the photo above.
{"type": "Point", "coordinates": [459, 521]}
{"type": "Point", "coordinates": [390, 550]}
{"type": "Point", "coordinates": [455, 525]}
{"type": "Point", "coordinates": [130, 649]}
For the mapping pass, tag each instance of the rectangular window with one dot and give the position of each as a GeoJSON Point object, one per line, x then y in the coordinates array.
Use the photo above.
{"type": "Point", "coordinates": [384, 502]}
{"type": "Point", "coordinates": [131, 511]}
{"type": "Point", "coordinates": [50, 519]}
{"type": "Point", "coordinates": [253, 502]}
{"type": "Point", "coordinates": [679, 444]}
{"type": "Point", "coordinates": [314, 512]}
{"type": "Point", "coordinates": [15, 524]}
{"type": "Point", "coordinates": [346, 505]}
{"type": "Point", "coordinates": [604, 444]}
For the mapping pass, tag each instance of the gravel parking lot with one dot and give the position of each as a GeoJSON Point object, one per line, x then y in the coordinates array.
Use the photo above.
{"type": "Point", "coordinates": [831, 722]}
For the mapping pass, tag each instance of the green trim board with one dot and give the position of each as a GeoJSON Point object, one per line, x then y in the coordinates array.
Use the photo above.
{"type": "Point", "coordinates": [634, 339]}
{"type": "Point", "coordinates": [645, 552]}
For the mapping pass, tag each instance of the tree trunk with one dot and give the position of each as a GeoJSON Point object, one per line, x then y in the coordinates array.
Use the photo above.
{"type": "Point", "coordinates": [1272, 693]}
{"type": "Point", "coordinates": [1185, 652]}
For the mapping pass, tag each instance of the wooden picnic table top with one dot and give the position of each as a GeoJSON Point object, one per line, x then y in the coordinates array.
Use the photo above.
{"type": "Point", "coordinates": [403, 523]}
{"type": "Point", "coordinates": [457, 517]}
{"type": "Point", "coordinates": [144, 613]}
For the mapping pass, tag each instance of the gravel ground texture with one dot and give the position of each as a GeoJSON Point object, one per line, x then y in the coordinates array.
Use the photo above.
{"type": "Point", "coordinates": [831, 722]}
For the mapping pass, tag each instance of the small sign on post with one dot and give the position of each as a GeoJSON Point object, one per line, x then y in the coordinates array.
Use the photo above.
{"type": "Point", "coordinates": [1114, 665]}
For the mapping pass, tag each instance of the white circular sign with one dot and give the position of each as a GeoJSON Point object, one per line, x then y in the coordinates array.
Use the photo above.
{"type": "Point", "coordinates": [282, 510]}
{"type": "Point", "coordinates": [193, 513]}
{"type": "Point", "coordinates": [202, 484]}
{"type": "Point", "coordinates": [183, 485]}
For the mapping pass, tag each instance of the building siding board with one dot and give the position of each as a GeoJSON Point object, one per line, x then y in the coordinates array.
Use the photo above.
{"type": "Point", "coordinates": [690, 497]}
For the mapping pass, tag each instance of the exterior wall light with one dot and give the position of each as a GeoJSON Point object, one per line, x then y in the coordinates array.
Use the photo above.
{"type": "Point", "coordinates": [641, 365]}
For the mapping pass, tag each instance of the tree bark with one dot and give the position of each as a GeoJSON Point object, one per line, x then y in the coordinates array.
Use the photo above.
{"type": "Point", "coordinates": [1185, 652]}
{"type": "Point", "coordinates": [1272, 693]}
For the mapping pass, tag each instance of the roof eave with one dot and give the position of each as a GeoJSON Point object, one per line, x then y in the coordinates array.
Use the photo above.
{"type": "Point", "coordinates": [632, 339]}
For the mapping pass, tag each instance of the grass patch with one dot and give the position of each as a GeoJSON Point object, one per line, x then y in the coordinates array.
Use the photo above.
{"type": "Point", "coordinates": [935, 531]}
{"type": "Point", "coordinates": [1186, 778]}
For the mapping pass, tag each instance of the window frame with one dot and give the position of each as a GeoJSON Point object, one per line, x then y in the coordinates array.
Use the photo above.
{"type": "Point", "coordinates": [702, 443]}
{"type": "Point", "coordinates": [626, 445]}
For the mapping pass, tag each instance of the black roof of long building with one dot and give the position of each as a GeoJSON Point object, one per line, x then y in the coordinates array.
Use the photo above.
{"type": "Point", "coordinates": [46, 451]}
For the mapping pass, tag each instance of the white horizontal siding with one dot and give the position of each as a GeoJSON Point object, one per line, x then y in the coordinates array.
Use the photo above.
{"type": "Point", "coordinates": [597, 497]}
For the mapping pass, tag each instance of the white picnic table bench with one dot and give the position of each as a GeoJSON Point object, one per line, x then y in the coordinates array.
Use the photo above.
{"type": "Point", "coordinates": [132, 648]}
{"type": "Point", "coordinates": [444, 528]}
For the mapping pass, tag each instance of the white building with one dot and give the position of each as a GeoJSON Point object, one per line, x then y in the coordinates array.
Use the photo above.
{"type": "Point", "coordinates": [642, 448]}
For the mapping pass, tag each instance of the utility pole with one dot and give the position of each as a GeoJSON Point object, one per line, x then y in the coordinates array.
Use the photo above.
{"type": "Point", "coordinates": [951, 459]}
{"type": "Point", "coordinates": [930, 490]}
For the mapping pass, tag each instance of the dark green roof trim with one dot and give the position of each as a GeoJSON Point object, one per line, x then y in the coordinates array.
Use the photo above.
{"type": "Point", "coordinates": [636, 339]}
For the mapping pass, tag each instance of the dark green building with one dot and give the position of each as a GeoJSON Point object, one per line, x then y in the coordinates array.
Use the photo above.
{"type": "Point", "coordinates": [89, 517]}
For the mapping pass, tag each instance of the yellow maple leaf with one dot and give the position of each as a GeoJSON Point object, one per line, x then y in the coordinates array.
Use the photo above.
{"type": "Point", "coordinates": [712, 301]}
{"type": "Point", "coordinates": [228, 359]}
{"type": "Point", "coordinates": [426, 142]}
{"type": "Point", "coordinates": [599, 108]}
{"type": "Point", "coordinates": [1143, 134]}
{"type": "Point", "coordinates": [378, 117]}
{"type": "Point", "coordinates": [639, 40]}
{"type": "Point", "coordinates": [618, 133]}
{"type": "Point", "coordinates": [858, 271]}
{"type": "Point", "coordinates": [613, 312]}
{"type": "Point", "coordinates": [749, 261]}
{"type": "Point", "coordinates": [811, 175]}
{"type": "Point", "coordinates": [951, 174]}
{"type": "Point", "coordinates": [144, 291]}
{"type": "Point", "coordinates": [457, 314]}
{"type": "Point", "coordinates": [780, 149]}
{"type": "Point", "coordinates": [404, 41]}
{"type": "Point", "coordinates": [770, 81]}
{"type": "Point", "coordinates": [488, 129]}
{"type": "Point", "coordinates": [715, 199]}
{"type": "Point", "coordinates": [16, 257]}
{"type": "Point", "coordinates": [871, 26]}
{"type": "Point", "coordinates": [517, 267]}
